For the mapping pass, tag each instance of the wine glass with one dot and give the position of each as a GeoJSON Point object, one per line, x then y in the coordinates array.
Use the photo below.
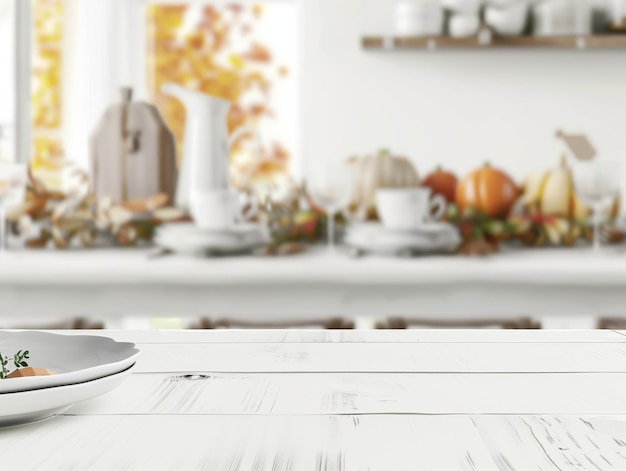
{"type": "Point", "coordinates": [330, 186]}
{"type": "Point", "coordinates": [13, 178]}
{"type": "Point", "coordinates": [597, 182]}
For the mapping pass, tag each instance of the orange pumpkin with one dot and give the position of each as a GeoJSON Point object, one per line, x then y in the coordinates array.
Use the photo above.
{"type": "Point", "coordinates": [488, 190]}
{"type": "Point", "coordinates": [442, 183]}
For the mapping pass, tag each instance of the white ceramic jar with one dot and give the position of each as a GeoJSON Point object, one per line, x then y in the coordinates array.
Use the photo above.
{"type": "Point", "coordinates": [463, 7]}
{"type": "Point", "coordinates": [562, 17]}
{"type": "Point", "coordinates": [509, 19]}
{"type": "Point", "coordinates": [618, 13]}
{"type": "Point", "coordinates": [419, 18]}
{"type": "Point", "coordinates": [463, 26]}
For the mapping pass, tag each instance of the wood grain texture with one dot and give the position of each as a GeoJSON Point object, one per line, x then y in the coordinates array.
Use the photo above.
{"type": "Point", "coordinates": [497, 42]}
{"type": "Point", "coordinates": [362, 393]}
{"type": "Point", "coordinates": [411, 400]}
{"type": "Point", "coordinates": [273, 443]}
{"type": "Point", "coordinates": [390, 357]}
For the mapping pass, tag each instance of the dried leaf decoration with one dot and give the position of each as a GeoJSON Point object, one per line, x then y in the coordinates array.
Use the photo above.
{"type": "Point", "coordinates": [62, 218]}
{"type": "Point", "coordinates": [194, 46]}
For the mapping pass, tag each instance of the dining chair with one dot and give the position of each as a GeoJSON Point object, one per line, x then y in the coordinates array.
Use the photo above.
{"type": "Point", "coordinates": [407, 323]}
{"type": "Point", "coordinates": [612, 323]}
{"type": "Point", "coordinates": [335, 323]}
{"type": "Point", "coordinates": [74, 324]}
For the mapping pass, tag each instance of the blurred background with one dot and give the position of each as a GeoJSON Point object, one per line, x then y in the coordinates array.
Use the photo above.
{"type": "Point", "coordinates": [433, 163]}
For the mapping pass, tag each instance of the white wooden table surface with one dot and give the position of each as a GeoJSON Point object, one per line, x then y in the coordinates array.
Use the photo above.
{"type": "Point", "coordinates": [113, 283]}
{"type": "Point", "coordinates": [292, 400]}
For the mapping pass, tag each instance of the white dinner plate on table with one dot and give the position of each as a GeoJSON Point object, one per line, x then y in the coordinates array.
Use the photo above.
{"type": "Point", "coordinates": [23, 407]}
{"type": "Point", "coordinates": [376, 238]}
{"type": "Point", "coordinates": [187, 238]}
{"type": "Point", "coordinates": [74, 358]}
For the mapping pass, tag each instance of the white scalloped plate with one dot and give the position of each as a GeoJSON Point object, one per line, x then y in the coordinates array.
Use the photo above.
{"type": "Point", "coordinates": [23, 407]}
{"type": "Point", "coordinates": [75, 359]}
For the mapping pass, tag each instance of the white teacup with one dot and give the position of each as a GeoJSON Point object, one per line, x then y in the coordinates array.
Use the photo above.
{"type": "Point", "coordinates": [219, 209]}
{"type": "Point", "coordinates": [409, 208]}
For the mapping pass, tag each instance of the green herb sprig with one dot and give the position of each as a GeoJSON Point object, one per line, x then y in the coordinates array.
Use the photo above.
{"type": "Point", "coordinates": [19, 360]}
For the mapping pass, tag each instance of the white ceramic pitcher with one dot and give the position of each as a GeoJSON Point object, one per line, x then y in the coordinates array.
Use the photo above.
{"type": "Point", "coordinates": [205, 164]}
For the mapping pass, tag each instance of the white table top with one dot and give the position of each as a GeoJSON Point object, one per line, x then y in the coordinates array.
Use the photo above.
{"type": "Point", "coordinates": [55, 285]}
{"type": "Point", "coordinates": [291, 400]}
{"type": "Point", "coordinates": [578, 266]}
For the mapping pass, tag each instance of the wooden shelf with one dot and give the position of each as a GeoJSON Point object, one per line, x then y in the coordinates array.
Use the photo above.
{"type": "Point", "coordinates": [391, 43]}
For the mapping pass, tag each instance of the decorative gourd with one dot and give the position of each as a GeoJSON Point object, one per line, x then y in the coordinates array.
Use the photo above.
{"type": "Point", "coordinates": [442, 183]}
{"type": "Point", "coordinates": [488, 190]}
{"type": "Point", "coordinates": [551, 193]}
{"type": "Point", "coordinates": [380, 171]}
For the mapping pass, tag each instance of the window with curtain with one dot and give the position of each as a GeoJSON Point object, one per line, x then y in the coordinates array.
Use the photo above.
{"type": "Point", "coordinates": [84, 51]}
{"type": "Point", "coordinates": [7, 78]}
{"type": "Point", "coordinates": [242, 52]}
{"type": "Point", "coordinates": [47, 98]}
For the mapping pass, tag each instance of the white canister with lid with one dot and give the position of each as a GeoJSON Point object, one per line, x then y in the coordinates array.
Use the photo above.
{"type": "Point", "coordinates": [463, 7]}
{"type": "Point", "coordinates": [618, 13]}
{"type": "Point", "coordinates": [562, 17]}
{"type": "Point", "coordinates": [419, 18]}
{"type": "Point", "coordinates": [463, 26]}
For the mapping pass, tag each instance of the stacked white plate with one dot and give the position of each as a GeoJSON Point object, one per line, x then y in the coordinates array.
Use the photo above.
{"type": "Point", "coordinates": [187, 238]}
{"type": "Point", "coordinates": [86, 367]}
{"type": "Point", "coordinates": [376, 238]}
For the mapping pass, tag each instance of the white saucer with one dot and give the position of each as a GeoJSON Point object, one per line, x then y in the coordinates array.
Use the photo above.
{"type": "Point", "coordinates": [431, 238]}
{"type": "Point", "coordinates": [187, 238]}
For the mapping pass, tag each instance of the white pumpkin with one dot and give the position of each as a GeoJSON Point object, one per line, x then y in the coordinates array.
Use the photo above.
{"type": "Point", "coordinates": [551, 193]}
{"type": "Point", "coordinates": [380, 171]}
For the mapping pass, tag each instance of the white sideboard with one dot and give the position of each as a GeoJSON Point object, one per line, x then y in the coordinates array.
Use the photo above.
{"type": "Point", "coordinates": [117, 283]}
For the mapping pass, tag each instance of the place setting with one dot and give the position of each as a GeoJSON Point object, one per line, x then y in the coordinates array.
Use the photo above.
{"type": "Point", "coordinates": [44, 374]}
{"type": "Point", "coordinates": [409, 225]}
{"type": "Point", "coordinates": [221, 227]}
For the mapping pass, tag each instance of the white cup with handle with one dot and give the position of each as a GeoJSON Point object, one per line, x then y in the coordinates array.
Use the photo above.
{"type": "Point", "coordinates": [409, 208]}
{"type": "Point", "coordinates": [220, 210]}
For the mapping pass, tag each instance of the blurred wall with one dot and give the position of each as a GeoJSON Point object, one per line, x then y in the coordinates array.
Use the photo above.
{"type": "Point", "coordinates": [452, 108]}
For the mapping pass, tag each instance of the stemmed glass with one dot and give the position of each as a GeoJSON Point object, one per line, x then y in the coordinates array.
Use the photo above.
{"type": "Point", "coordinates": [597, 182]}
{"type": "Point", "coordinates": [331, 185]}
{"type": "Point", "coordinates": [13, 178]}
